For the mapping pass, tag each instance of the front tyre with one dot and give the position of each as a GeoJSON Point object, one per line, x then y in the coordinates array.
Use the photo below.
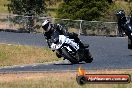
{"type": "Point", "coordinates": [68, 56]}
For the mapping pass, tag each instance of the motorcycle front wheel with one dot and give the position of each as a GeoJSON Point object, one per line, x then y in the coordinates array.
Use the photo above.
{"type": "Point", "coordinates": [68, 56]}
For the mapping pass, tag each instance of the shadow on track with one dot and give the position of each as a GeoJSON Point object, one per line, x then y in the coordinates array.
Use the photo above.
{"type": "Point", "coordinates": [130, 55]}
{"type": "Point", "coordinates": [68, 63]}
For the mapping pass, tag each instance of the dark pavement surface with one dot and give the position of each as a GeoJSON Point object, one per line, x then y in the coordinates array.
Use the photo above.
{"type": "Point", "coordinates": [108, 53]}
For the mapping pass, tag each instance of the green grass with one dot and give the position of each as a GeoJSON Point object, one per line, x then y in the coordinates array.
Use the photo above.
{"type": "Point", "coordinates": [17, 55]}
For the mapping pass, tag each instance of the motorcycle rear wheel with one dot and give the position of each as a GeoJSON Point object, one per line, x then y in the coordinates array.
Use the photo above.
{"type": "Point", "coordinates": [88, 57]}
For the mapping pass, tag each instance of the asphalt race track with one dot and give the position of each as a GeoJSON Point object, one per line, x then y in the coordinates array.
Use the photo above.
{"type": "Point", "coordinates": [108, 53]}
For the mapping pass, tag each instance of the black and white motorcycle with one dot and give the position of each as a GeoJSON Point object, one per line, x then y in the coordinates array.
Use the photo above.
{"type": "Point", "coordinates": [60, 43]}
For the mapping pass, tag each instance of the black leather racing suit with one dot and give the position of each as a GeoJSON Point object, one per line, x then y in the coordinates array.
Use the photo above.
{"type": "Point", "coordinates": [54, 27]}
{"type": "Point", "coordinates": [124, 24]}
{"type": "Point", "coordinates": [121, 22]}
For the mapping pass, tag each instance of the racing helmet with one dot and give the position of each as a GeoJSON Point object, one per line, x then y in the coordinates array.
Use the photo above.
{"type": "Point", "coordinates": [120, 14]}
{"type": "Point", "coordinates": [46, 25]}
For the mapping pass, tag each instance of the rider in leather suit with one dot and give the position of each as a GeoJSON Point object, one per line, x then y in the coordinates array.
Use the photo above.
{"type": "Point", "coordinates": [123, 22]}
{"type": "Point", "coordinates": [51, 28]}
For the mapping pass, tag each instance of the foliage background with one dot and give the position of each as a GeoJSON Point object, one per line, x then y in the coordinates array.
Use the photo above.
{"type": "Point", "coordinates": [83, 9]}
{"type": "Point", "coordinates": [27, 7]}
{"type": "Point", "coordinates": [54, 8]}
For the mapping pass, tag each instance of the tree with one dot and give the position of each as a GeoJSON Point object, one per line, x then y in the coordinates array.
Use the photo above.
{"type": "Point", "coordinates": [28, 8]}
{"type": "Point", "coordinates": [24, 7]}
{"type": "Point", "coordinates": [52, 2]}
{"type": "Point", "coordinates": [110, 1]}
{"type": "Point", "coordinates": [83, 9]}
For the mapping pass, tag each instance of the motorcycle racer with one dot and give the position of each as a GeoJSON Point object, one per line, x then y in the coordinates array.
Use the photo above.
{"type": "Point", "coordinates": [66, 44]}
{"type": "Point", "coordinates": [124, 23]}
{"type": "Point", "coordinates": [52, 29]}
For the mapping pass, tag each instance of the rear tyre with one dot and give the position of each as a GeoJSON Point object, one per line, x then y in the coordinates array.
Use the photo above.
{"type": "Point", "coordinates": [68, 56]}
{"type": "Point", "coordinates": [88, 57]}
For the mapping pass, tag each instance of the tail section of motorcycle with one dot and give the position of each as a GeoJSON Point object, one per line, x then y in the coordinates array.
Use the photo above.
{"type": "Point", "coordinates": [87, 56]}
